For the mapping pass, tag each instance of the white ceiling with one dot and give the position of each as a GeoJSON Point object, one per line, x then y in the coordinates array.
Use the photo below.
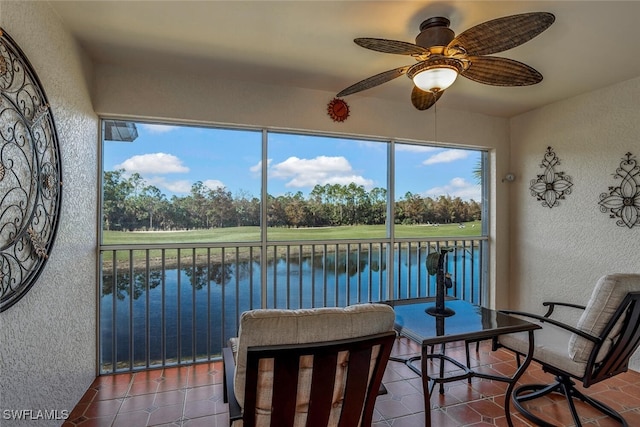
{"type": "Point", "coordinates": [309, 44]}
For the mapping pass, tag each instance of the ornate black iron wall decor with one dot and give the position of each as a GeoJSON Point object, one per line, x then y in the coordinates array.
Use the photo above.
{"type": "Point", "coordinates": [623, 202]}
{"type": "Point", "coordinates": [551, 186]}
{"type": "Point", "coordinates": [30, 175]}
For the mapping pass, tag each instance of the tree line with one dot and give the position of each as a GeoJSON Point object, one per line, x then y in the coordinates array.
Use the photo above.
{"type": "Point", "coordinates": [130, 204]}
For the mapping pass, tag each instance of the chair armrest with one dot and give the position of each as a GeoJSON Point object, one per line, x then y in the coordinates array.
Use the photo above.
{"type": "Point", "coordinates": [553, 304]}
{"type": "Point", "coordinates": [554, 322]}
{"type": "Point", "coordinates": [235, 413]}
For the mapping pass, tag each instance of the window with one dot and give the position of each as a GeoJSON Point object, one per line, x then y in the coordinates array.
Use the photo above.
{"type": "Point", "coordinates": [207, 184]}
{"type": "Point", "coordinates": [325, 188]}
{"type": "Point", "coordinates": [202, 223]}
{"type": "Point", "coordinates": [439, 188]}
{"type": "Point", "coordinates": [183, 179]}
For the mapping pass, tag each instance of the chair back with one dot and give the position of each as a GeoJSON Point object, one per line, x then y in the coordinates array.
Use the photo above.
{"type": "Point", "coordinates": [323, 384]}
{"type": "Point", "coordinates": [605, 300]}
{"type": "Point", "coordinates": [626, 342]}
{"type": "Point", "coordinates": [306, 327]}
{"type": "Point", "coordinates": [609, 314]}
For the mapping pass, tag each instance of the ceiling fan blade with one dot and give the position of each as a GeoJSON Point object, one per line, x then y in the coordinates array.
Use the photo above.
{"type": "Point", "coordinates": [504, 33]}
{"type": "Point", "coordinates": [391, 46]}
{"type": "Point", "coordinates": [373, 81]}
{"type": "Point", "coordinates": [424, 100]}
{"type": "Point", "coordinates": [496, 71]}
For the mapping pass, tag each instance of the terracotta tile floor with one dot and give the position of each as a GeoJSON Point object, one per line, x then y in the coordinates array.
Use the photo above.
{"type": "Point", "coordinates": [192, 396]}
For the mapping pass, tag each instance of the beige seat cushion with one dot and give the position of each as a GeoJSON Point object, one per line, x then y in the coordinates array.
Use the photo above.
{"type": "Point", "coordinates": [550, 347]}
{"type": "Point", "coordinates": [605, 300]}
{"type": "Point", "coordinates": [275, 326]}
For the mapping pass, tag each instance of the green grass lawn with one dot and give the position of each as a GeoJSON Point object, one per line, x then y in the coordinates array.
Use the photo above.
{"type": "Point", "coordinates": [252, 234]}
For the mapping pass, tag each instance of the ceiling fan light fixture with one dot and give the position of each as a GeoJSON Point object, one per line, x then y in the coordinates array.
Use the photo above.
{"type": "Point", "coordinates": [435, 79]}
{"type": "Point", "coordinates": [436, 74]}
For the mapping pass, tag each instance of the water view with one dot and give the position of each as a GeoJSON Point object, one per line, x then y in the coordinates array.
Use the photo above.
{"type": "Point", "coordinates": [190, 311]}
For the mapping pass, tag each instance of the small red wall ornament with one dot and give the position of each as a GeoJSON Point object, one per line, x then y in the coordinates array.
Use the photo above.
{"type": "Point", "coordinates": [338, 110]}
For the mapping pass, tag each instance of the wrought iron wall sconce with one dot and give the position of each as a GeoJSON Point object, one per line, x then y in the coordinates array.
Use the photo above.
{"type": "Point", "coordinates": [30, 175]}
{"type": "Point", "coordinates": [550, 187]}
{"type": "Point", "coordinates": [623, 202]}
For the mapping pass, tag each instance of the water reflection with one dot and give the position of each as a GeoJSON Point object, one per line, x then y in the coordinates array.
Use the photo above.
{"type": "Point", "coordinates": [201, 276]}
{"type": "Point", "coordinates": [351, 264]}
{"type": "Point", "coordinates": [123, 288]}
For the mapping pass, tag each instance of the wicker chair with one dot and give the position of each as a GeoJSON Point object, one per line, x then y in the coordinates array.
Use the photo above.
{"type": "Point", "coordinates": [599, 345]}
{"type": "Point", "coordinates": [311, 367]}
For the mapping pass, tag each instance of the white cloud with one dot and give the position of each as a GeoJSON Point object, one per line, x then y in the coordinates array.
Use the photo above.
{"type": "Point", "coordinates": [156, 163]}
{"type": "Point", "coordinates": [158, 128]}
{"type": "Point", "coordinates": [318, 171]}
{"type": "Point", "coordinates": [212, 184]}
{"type": "Point", "coordinates": [179, 187]}
{"type": "Point", "coordinates": [258, 166]}
{"type": "Point", "coordinates": [457, 187]}
{"type": "Point", "coordinates": [411, 148]}
{"type": "Point", "coordinates": [182, 186]}
{"type": "Point", "coordinates": [371, 146]}
{"type": "Point", "coordinates": [321, 165]}
{"type": "Point", "coordinates": [446, 156]}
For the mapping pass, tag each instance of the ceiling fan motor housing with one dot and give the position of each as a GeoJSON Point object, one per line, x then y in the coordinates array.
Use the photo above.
{"type": "Point", "coordinates": [435, 32]}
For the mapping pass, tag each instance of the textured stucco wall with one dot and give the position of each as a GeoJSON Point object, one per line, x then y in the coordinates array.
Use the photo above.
{"type": "Point", "coordinates": [47, 350]}
{"type": "Point", "coordinates": [559, 253]}
{"type": "Point", "coordinates": [197, 97]}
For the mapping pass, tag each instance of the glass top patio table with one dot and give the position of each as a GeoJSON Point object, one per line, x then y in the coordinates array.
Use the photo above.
{"type": "Point", "coordinates": [469, 323]}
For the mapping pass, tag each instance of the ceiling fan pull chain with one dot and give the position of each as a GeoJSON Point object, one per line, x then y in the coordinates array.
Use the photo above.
{"type": "Point", "coordinates": [435, 122]}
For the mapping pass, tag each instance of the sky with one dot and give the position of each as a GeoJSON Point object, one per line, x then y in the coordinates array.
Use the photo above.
{"type": "Point", "coordinates": [172, 158]}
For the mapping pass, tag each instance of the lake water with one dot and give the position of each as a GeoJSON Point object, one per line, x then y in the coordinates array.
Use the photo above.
{"type": "Point", "coordinates": [194, 311]}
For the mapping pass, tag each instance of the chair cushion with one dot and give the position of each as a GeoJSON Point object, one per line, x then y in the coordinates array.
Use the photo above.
{"type": "Point", "coordinates": [550, 347]}
{"type": "Point", "coordinates": [275, 326]}
{"type": "Point", "coordinates": [605, 300]}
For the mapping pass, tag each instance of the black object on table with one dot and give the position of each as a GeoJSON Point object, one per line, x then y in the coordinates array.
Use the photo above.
{"type": "Point", "coordinates": [443, 282]}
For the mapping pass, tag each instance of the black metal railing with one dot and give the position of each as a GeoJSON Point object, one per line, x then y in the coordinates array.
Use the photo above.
{"type": "Point", "coordinates": [172, 304]}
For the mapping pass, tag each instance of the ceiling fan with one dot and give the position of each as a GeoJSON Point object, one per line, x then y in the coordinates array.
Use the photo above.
{"type": "Point", "coordinates": [442, 56]}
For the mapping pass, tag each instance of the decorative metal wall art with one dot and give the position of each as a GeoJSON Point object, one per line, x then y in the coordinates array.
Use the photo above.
{"type": "Point", "coordinates": [623, 202]}
{"type": "Point", "coordinates": [550, 187]}
{"type": "Point", "coordinates": [30, 175]}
